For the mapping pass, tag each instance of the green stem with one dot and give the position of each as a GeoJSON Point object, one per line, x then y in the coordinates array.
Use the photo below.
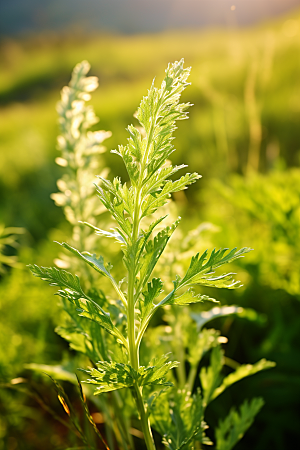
{"type": "Point", "coordinates": [144, 418]}
{"type": "Point", "coordinates": [191, 378]}
{"type": "Point", "coordinates": [179, 350]}
{"type": "Point", "coordinates": [132, 344]}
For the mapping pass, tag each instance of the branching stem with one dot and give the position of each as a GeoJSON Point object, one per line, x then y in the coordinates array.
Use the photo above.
{"type": "Point", "coordinates": [133, 345]}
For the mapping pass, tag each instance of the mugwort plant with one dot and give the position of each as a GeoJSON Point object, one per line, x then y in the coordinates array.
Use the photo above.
{"type": "Point", "coordinates": [131, 361]}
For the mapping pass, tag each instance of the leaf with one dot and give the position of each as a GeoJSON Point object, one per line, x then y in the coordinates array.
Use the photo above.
{"type": "Point", "coordinates": [205, 340]}
{"type": "Point", "coordinates": [57, 277]}
{"type": "Point", "coordinates": [112, 199]}
{"type": "Point", "coordinates": [97, 264]}
{"type": "Point", "coordinates": [112, 234]}
{"type": "Point", "coordinates": [129, 161]}
{"type": "Point", "coordinates": [56, 371]}
{"type": "Point", "coordinates": [204, 317]}
{"type": "Point", "coordinates": [189, 297]}
{"type": "Point", "coordinates": [233, 427]}
{"type": "Point", "coordinates": [211, 376]}
{"type": "Point", "coordinates": [154, 180]}
{"type": "Point", "coordinates": [159, 198]}
{"type": "Point", "coordinates": [156, 372]}
{"type": "Point", "coordinates": [73, 292]}
{"type": "Point", "coordinates": [241, 372]}
{"type": "Point", "coordinates": [154, 289]}
{"type": "Point", "coordinates": [111, 376]}
{"type": "Point", "coordinates": [91, 260]}
{"type": "Point", "coordinates": [153, 251]}
{"type": "Point", "coordinates": [180, 420]}
{"type": "Point", "coordinates": [201, 270]}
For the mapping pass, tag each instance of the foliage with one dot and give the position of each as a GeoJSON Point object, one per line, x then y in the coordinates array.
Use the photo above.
{"type": "Point", "coordinates": [261, 60]}
{"type": "Point", "coordinates": [146, 158]}
{"type": "Point", "coordinates": [8, 237]}
{"type": "Point", "coordinates": [268, 206]}
{"type": "Point", "coordinates": [234, 426]}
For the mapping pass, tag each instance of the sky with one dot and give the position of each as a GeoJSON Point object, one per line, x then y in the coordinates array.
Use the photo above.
{"type": "Point", "coordinates": [133, 16]}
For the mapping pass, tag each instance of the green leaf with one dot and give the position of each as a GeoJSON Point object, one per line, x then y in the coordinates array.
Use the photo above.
{"type": "Point", "coordinates": [153, 250]}
{"type": "Point", "coordinates": [241, 372]}
{"type": "Point", "coordinates": [201, 269]}
{"type": "Point", "coordinates": [84, 335]}
{"type": "Point", "coordinates": [57, 277]}
{"type": "Point", "coordinates": [154, 289]}
{"type": "Point", "coordinates": [98, 265]}
{"type": "Point", "coordinates": [111, 376]}
{"type": "Point", "coordinates": [211, 376]}
{"type": "Point", "coordinates": [180, 421]}
{"type": "Point", "coordinates": [91, 260]}
{"type": "Point", "coordinates": [156, 372]}
{"type": "Point", "coordinates": [72, 291]}
{"type": "Point", "coordinates": [111, 197]}
{"type": "Point", "coordinates": [129, 161]}
{"type": "Point", "coordinates": [189, 297]}
{"type": "Point", "coordinates": [113, 234]}
{"type": "Point", "coordinates": [207, 339]}
{"type": "Point", "coordinates": [160, 197]}
{"type": "Point", "coordinates": [233, 427]}
{"type": "Point", "coordinates": [56, 371]}
{"type": "Point", "coordinates": [154, 180]}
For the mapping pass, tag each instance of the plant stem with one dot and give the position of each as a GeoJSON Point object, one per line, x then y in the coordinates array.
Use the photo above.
{"type": "Point", "coordinates": [191, 378]}
{"type": "Point", "coordinates": [132, 343]}
{"type": "Point", "coordinates": [144, 418]}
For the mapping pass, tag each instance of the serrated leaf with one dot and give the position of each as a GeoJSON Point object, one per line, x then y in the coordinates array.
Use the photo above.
{"type": "Point", "coordinates": [189, 297]}
{"type": "Point", "coordinates": [57, 277]}
{"type": "Point", "coordinates": [211, 376]}
{"type": "Point", "coordinates": [97, 264]}
{"type": "Point", "coordinates": [180, 421]}
{"type": "Point", "coordinates": [154, 180]}
{"type": "Point", "coordinates": [154, 289]}
{"type": "Point", "coordinates": [156, 372]}
{"type": "Point", "coordinates": [111, 376]}
{"type": "Point", "coordinates": [130, 164]}
{"type": "Point", "coordinates": [73, 292]}
{"type": "Point", "coordinates": [153, 250]}
{"type": "Point", "coordinates": [160, 197]}
{"type": "Point", "coordinates": [201, 269]}
{"type": "Point", "coordinates": [241, 372]}
{"type": "Point", "coordinates": [233, 427]}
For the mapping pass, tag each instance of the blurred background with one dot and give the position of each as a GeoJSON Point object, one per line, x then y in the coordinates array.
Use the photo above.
{"type": "Point", "coordinates": [243, 136]}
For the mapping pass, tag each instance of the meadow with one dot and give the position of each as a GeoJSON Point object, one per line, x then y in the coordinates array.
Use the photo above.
{"type": "Point", "coordinates": [243, 137]}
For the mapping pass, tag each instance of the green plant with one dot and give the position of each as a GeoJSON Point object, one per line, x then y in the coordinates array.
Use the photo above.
{"type": "Point", "coordinates": [172, 404]}
{"type": "Point", "coordinates": [8, 237]}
